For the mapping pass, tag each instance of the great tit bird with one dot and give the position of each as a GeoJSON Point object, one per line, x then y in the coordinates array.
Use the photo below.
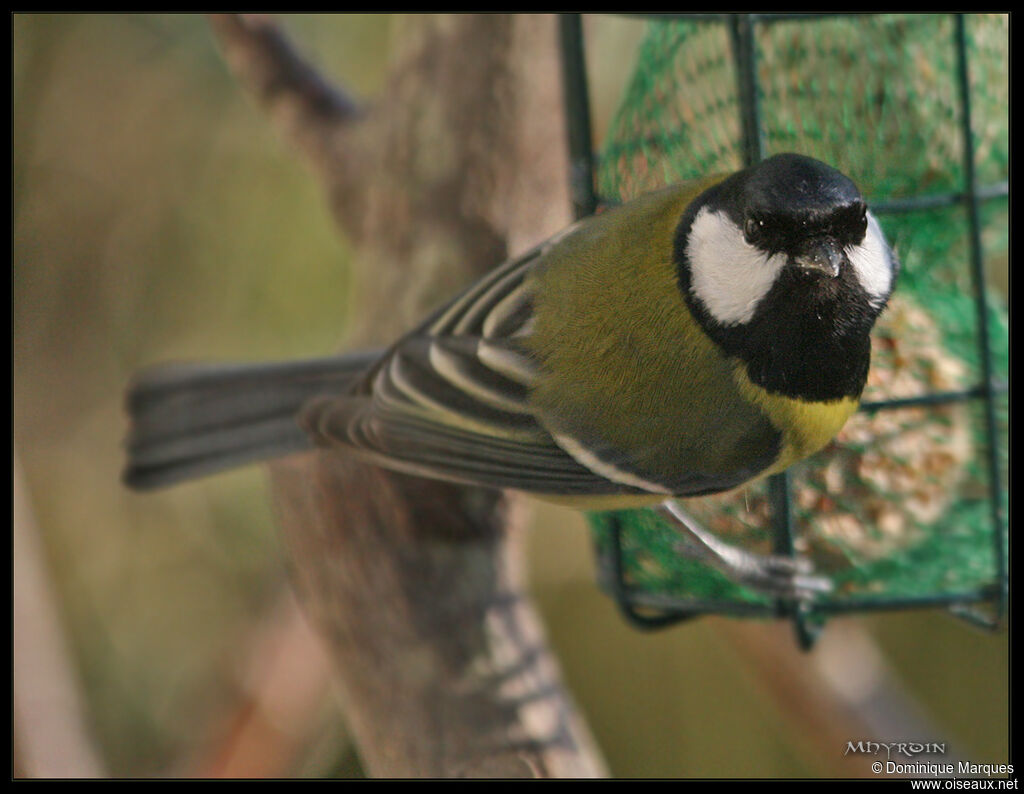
{"type": "Point", "coordinates": [680, 344]}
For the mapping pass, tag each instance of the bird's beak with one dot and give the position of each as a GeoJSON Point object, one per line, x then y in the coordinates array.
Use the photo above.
{"type": "Point", "coordinates": [822, 254]}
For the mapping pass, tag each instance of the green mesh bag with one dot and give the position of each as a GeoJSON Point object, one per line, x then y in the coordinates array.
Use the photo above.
{"type": "Point", "coordinates": [904, 508]}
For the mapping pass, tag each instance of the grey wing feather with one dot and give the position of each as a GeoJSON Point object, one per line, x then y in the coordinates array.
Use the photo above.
{"type": "Point", "coordinates": [451, 399]}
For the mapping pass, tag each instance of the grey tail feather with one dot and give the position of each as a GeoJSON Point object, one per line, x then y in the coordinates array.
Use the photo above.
{"type": "Point", "coordinates": [190, 420]}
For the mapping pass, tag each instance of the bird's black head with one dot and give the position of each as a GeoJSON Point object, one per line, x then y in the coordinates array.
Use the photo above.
{"type": "Point", "coordinates": [785, 268]}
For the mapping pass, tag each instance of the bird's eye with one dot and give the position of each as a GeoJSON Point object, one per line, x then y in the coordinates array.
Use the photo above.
{"type": "Point", "coordinates": [752, 228]}
{"type": "Point", "coordinates": [862, 223]}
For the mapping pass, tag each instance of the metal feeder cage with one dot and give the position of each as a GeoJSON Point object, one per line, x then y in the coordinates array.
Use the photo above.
{"type": "Point", "coordinates": [876, 95]}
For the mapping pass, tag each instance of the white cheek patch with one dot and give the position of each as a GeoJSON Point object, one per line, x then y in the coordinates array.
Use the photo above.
{"type": "Point", "coordinates": [727, 274]}
{"type": "Point", "coordinates": [872, 262]}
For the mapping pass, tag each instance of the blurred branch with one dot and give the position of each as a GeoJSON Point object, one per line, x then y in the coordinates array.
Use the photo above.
{"type": "Point", "coordinates": [285, 683]}
{"type": "Point", "coordinates": [308, 109]}
{"type": "Point", "coordinates": [417, 585]}
{"type": "Point", "coordinates": [844, 691]}
{"type": "Point", "coordinates": [49, 728]}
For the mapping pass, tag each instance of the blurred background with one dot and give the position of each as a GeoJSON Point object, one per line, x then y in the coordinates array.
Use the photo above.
{"type": "Point", "coordinates": [157, 216]}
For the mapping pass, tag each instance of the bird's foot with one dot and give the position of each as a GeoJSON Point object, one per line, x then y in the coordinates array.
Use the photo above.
{"type": "Point", "coordinates": [775, 576]}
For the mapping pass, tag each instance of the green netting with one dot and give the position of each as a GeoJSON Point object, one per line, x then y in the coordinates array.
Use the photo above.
{"type": "Point", "coordinates": [874, 95]}
{"type": "Point", "coordinates": [898, 506]}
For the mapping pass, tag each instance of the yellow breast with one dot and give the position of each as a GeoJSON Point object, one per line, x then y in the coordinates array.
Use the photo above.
{"type": "Point", "coordinates": [806, 426]}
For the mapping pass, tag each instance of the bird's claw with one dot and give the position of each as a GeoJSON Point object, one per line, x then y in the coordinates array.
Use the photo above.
{"type": "Point", "coordinates": [784, 577]}
{"type": "Point", "coordinates": [776, 576]}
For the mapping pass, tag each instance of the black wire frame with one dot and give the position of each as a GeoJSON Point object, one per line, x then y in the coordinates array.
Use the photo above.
{"type": "Point", "coordinates": [653, 611]}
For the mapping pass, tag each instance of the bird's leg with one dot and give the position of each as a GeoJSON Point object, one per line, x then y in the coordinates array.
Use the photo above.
{"type": "Point", "coordinates": [776, 576]}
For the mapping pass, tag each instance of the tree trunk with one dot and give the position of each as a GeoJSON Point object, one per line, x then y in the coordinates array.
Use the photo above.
{"type": "Point", "coordinates": [418, 585]}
